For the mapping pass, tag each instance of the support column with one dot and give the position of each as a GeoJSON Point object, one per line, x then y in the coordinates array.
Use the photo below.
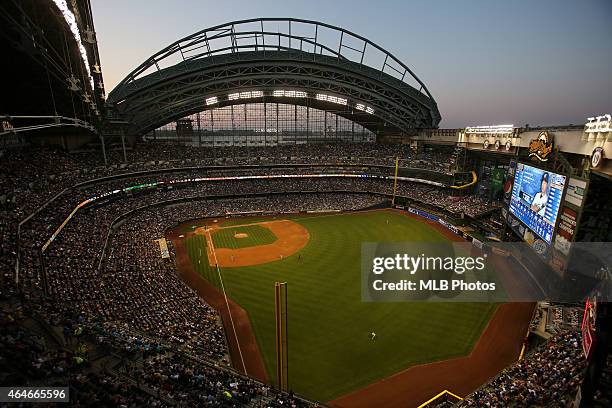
{"type": "Point", "coordinates": [103, 150]}
{"type": "Point", "coordinates": [308, 122]}
{"type": "Point", "coordinates": [246, 136]}
{"type": "Point", "coordinates": [199, 131]}
{"type": "Point", "coordinates": [233, 126]}
{"type": "Point", "coordinates": [277, 129]}
{"type": "Point", "coordinates": [212, 129]}
{"type": "Point", "coordinates": [123, 146]}
{"type": "Point", "coordinates": [325, 125]}
{"type": "Point", "coordinates": [336, 131]}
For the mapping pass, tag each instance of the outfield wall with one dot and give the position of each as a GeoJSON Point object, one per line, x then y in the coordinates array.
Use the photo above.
{"type": "Point", "coordinates": [539, 275]}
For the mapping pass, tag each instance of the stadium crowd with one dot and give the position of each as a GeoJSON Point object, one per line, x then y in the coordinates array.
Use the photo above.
{"type": "Point", "coordinates": [105, 286]}
{"type": "Point", "coordinates": [126, 370]}
{"type": "Point", "coordinates": [548, 377]}
{"type": "Point", "coordinates": [46, 171]}
{"type": "Point", "coordinates": [30, 177]}
{"type": "Point", "coordinates": [136, 301]}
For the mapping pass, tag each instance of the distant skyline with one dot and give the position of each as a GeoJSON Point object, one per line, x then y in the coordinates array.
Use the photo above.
{"type": "Point", "coordinates": [542, 62]}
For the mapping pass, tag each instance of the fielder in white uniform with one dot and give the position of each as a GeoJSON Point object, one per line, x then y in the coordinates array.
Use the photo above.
{"type": "Point", "coordinates": [539, 201]}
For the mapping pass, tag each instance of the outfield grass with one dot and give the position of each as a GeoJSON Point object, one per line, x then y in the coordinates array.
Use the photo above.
{"type": "Point", "coordinates": [196, 249]}
{"type": "Point", "coordinates": [248, 220]}
{"type": "Point", "coordinates": [330, 353]}
{"type": "Point", "coordinates": [257, 235]}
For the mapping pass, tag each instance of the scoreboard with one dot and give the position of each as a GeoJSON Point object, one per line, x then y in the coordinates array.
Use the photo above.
{"type": "Point", "coordinates": [536, 199]}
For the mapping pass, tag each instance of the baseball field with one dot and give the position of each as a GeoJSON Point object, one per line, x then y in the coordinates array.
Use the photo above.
{"type": "Point", "coordinates": [330, 351]}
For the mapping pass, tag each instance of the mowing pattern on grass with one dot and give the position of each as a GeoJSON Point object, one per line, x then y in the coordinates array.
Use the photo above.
{"type": "Point", "coordinates": [196, 248]}
{"type": "Point", "coordinates": [256, 235]}
{"type": "Point", "coordinates": [228, 222]}
{"type": "Point", "coordinates": [330, 353]}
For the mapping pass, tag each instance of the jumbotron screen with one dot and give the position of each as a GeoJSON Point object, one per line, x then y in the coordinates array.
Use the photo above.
{"type": "Point", "coordinates": [536, 197]}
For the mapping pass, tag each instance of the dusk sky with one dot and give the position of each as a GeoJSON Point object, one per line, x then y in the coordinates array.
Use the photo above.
{"type": "Point", "coordinates": [485, 62]}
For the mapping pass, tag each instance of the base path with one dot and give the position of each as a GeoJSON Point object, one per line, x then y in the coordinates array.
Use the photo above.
{"type": "Point", "coordinates": [291, 237]}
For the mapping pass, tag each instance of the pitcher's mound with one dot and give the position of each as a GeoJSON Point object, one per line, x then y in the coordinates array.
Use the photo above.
{"type": "Point", "coordinates": [291, 237]}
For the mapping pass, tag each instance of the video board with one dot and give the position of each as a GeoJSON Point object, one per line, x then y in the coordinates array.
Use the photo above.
{"type": "Point", "coordinates": [536, 198]}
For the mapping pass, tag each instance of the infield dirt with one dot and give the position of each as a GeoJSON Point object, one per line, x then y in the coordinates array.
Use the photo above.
{"type": "Point", "coordinates": [291, 237]}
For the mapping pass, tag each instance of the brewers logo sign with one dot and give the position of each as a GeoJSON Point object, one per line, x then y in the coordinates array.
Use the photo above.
{"type": "Point", "coordinates": [541, 147]}
{"type": "Point", "coordinates": [597, 156]}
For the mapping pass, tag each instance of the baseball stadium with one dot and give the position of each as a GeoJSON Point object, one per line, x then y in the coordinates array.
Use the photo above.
{"type": "Point", "coordinates": [234, 223]}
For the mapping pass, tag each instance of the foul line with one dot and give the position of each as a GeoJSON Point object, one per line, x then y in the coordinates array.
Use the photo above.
{"type": "Point", "coordinates": [212, 248]}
